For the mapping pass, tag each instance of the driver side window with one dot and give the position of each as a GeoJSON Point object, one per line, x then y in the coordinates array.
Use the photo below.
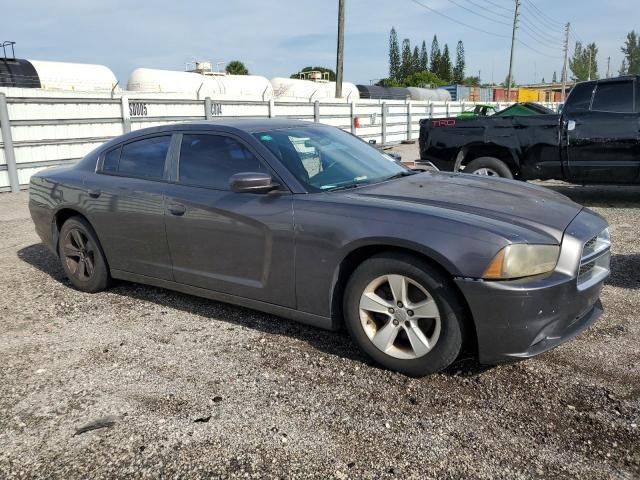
{"type": "Point", "coordinates": [211, 160]}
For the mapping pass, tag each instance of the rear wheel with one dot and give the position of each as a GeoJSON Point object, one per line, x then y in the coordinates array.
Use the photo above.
{"type": "Point", "coordinates": [81, 256]}
{"type": "Point", "coordinates": [404, 314]}
{"type": "Point", "coordinates": [489, 166]}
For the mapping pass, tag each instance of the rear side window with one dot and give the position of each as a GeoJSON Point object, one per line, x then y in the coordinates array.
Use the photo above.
{"type": "Point", "coordinates": [211, 160]}
{"type": "Point", "coordinates": [580, 98]}
{"type": "Point", "coordinates": [143, 158]}
{"type": "Point", "coordinates": [111, 159]}
{"type": "Point", "coordinates": [614, 97]}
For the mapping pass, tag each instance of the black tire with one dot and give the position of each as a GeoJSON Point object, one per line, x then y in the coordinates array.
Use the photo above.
{"type": "Point", "coordinates": [494, 165]}
{"type": "Point", "coordinates": [81, 255]}
{"type": "Point", "coordinates": [441, 290]}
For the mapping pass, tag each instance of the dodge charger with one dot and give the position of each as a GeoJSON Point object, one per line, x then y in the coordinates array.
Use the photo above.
{"type": "Point", "coordinates": [307, 222]}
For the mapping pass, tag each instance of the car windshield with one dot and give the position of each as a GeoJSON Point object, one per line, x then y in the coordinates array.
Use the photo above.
{"type": "Point", "coordinates": [325, 158]}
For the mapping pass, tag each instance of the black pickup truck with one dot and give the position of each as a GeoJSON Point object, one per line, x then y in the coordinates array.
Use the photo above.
{"type": "Point", "coordinates": [596, 139]}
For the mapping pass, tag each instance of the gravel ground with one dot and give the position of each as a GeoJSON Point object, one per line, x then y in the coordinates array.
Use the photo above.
{"type": "Point", "coordinates": [185, 387]}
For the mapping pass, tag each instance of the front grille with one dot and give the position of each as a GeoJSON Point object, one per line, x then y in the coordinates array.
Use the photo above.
{"type": "Point", "coordinates": [590, 246]}
{"type": "Point", "coordinates": [595, 259]}
{"type": "Point", "coordinates": [585, 269]}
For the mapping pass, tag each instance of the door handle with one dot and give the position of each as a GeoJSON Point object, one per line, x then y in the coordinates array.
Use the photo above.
{"type": "Point", "coordinates": [177, 209]}
{"type": "Point", "coordinates": [94, 193]}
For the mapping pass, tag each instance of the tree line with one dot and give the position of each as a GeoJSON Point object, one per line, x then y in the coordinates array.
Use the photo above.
{"type": "Point", "coordinates": [584, 61]}
{"type": "Point", "coordinates": [415, 67]}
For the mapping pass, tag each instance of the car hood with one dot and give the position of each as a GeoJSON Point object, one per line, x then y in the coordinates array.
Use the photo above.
{"type": "Point", "coordinates": [509, 201]}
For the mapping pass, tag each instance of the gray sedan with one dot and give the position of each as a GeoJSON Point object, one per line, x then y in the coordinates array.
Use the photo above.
{"type": "Point", "coordinates": [310, 223]}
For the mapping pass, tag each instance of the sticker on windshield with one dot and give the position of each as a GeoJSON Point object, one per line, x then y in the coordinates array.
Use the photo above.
{"type": "Point", "coordinates": [266, 138]}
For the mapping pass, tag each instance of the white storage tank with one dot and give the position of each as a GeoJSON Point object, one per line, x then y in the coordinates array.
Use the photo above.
{"type": "Point", "coordinates": [82, 77]}
{"type": "Point", "coordinates": [293, 89]}
{"type": "Point", "coordinates": [236, 87]}
{"type": "Point", "coordinates": [429, 94]}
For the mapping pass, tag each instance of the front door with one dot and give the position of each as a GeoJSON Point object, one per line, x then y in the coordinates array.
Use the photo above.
{"type": "Point", "coordinates": [235, 243]}
{"type": "Point", "coordinates": [603, 143]}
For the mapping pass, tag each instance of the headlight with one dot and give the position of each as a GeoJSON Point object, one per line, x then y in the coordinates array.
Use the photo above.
{"type": "Point", "coordinates": [522, 260]}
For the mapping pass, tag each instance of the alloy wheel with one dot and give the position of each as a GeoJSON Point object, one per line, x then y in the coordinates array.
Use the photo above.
{"type": "Point", "coordinates": [400, 317]}
{"type": "Point", "coordinates": [79, 254]}
{"type": "Point", "coordinates": [487, 172]}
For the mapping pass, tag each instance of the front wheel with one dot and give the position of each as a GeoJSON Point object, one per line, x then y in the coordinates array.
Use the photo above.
{"type": "Point", "coordinates": [489, 166]}
{"type": "Point", "coordinates": [404, 314]}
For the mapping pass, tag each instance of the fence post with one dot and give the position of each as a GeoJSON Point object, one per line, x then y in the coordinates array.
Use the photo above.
{"type": "Point", "coordinates": [409, 120]}
{"type": "Point", "coordinates": [353, 116]}
{"type": "Point", "coordinates": [207, 108]}
{"type": "Point", "coordinates": [447, 105]}
{"type": "Point", "coordinates": [272, 108]}
{"type": "Point", "coordinates": [316, 111]}
{"type": "Point", "coordinates": [7, 140]}
{"type": "Point", "coordinates": [384, 123]}
{"type": "Point", "coordinates": [126, 118]}
{"type": "Point", "coordinates": [430, 109]}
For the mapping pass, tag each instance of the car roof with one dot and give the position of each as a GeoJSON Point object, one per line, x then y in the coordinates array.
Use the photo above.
{"type": "Point", "coordinates": [608, 80]}
{"type": "Point", "coordinates": [245, 124]}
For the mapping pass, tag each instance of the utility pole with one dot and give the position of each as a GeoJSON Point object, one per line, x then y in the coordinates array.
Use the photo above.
{"type": "Point", "coordinates": [566, 56]}
{"type": "Point", "coordinates": [608, 66]}
{"type": "Point", "coordinates": [589, 74]}
{"type": "Point", "coordinates": [340, 53]}
{"type": "Point", "coordinates": [513, 44]}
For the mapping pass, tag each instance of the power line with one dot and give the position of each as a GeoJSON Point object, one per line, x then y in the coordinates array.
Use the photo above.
{"type": "Point", "coordinates": [503, 15]}
{"type": "Point", "coordinates": [458, 21]}
{"type": "Point", "coordinates": [544, 15]}
{"type": "Point", "coordinates": [540, 32]}
{"type": "Point", "coordinates": [540, 39]}
{"type": "Point", "coordinates": [510, 10]}
{"type": "Point", "coordinates": [536, 50]}
{"type": "Point", "coordinates": [479, 14]}
{"type": "Point", "coordinates": [541, 22]}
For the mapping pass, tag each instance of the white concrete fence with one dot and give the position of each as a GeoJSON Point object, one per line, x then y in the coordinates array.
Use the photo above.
{"type": "Point", "coordinates": [42, 131]}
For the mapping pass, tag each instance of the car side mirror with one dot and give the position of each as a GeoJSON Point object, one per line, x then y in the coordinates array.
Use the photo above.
{"type": "Point", "coordinates": [252, 182]}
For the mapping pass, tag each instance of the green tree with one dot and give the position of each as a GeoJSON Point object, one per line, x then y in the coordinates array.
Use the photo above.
{"type": "Point", "coordinates": [458, 70]}
{"type": "Point", "coordinates": [236, 67]}
{"type": "Point", "coordinates": [415, 60]}
{"type": "Point", "coordinates": [423, 79]}
{"type": "Point", "coordinates": [394, 55]}
{"type": "Point", "coordinates": [435, 55]}
{"type": "Point", "coordinates": [624, 70]}
{"type": "Point", "coordinates": [584, 62]}
{"type": "Point", "coordinates": [389, 82]}
{"type": "Point", "coordinates": [445, 71]}
{"type": "Point", "coordinates": [332, 74]}
{"type": "Point", "coordinates": [631, 50]}
{"type": "Point", "coordinates": [406, 60]}
{"type": "Point", "coordinates": [424, 59]}
{"type": "Point", "coordinates": [472, 81]}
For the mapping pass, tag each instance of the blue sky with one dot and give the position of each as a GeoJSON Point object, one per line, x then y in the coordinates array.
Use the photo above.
{"type": "Point", "coordinates": [277, 38]}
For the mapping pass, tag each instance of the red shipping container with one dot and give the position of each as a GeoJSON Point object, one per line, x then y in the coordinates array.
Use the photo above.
{"type": "Point", "coordinates": [500, 94]}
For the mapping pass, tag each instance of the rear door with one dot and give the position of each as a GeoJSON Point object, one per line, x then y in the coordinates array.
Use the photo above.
{"type": "Point", "coordinates": [235, 243]}
{"type": "Point", "coordinates": [603, 142]}
{"type": "Point", "coordinates": [127, 206]}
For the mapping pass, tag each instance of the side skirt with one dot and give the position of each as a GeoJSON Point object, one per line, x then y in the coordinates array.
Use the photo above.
{"type": "Point", "coordinates": [290, 313]}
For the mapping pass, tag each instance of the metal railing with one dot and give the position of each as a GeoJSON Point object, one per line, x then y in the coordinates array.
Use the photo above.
{"type": "Point", "coordinates": [38, 132]}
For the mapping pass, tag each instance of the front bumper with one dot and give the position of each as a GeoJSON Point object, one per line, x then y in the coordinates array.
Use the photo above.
{"type": "Point", "coordinates": [522, 318]}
